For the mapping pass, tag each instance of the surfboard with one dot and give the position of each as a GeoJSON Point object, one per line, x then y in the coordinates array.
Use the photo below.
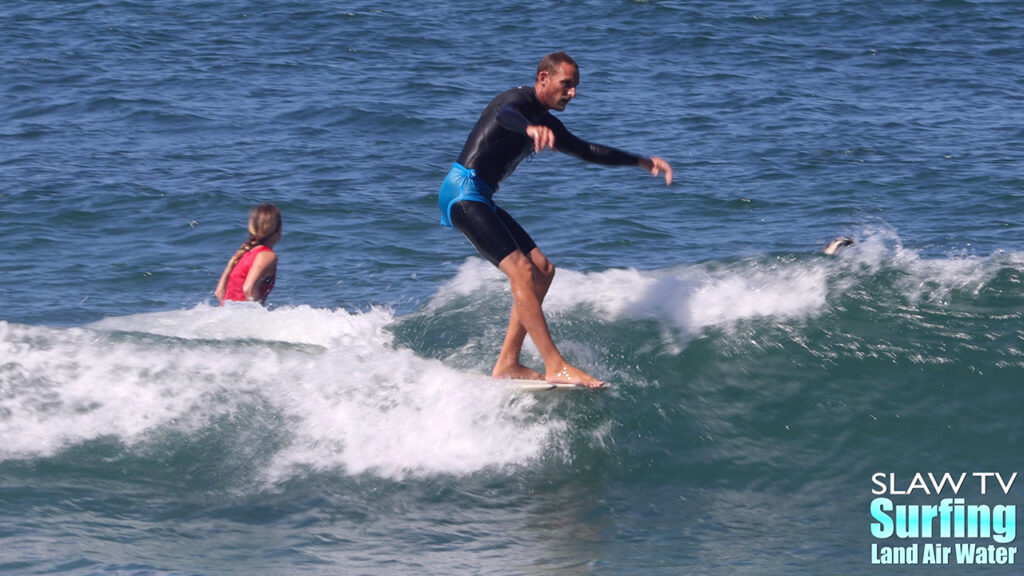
{"type": "Point", "coordinates": [533, 385]}
{"type": "Point", "coordinates": [544, 386]}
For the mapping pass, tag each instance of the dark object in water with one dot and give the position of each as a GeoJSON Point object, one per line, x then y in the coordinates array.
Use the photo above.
{"type": "Point", "coordinates": [840, 242]}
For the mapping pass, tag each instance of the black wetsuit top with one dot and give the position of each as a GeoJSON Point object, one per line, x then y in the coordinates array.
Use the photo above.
{"type": "Point", "coordinates": [498, 142]}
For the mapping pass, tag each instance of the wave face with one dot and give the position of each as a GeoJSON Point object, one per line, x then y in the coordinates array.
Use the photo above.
{"type": "Point", "coordinates": [747, 384]}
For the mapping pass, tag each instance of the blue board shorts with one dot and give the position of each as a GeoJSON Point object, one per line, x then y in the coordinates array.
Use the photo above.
{"type": "Point", "coordinates": [462, 184]}
{"type": "Point", "coordinates": [465, 202]}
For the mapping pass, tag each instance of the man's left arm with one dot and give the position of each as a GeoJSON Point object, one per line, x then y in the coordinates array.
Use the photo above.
{"type": "Point", "coordinates": [571, 144]}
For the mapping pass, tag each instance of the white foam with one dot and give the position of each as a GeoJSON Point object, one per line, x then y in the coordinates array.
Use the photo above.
{"type": "Point", "coordinates": [474, 276]}
{"type": "Point", "coordinates": [62, 387]}
{"type": "Point", "coordinates": [407, 416]}
{"type": "Point", "coordinates": [924, 279]}
{"type": "Point", "coordinates": [351, 402]}
{"type": "Point", "coordinates": [689, 298]}
{"type": "Point", "coordinates": [686, 298]}
{"type": "Point", "coordinates": [244, 320]}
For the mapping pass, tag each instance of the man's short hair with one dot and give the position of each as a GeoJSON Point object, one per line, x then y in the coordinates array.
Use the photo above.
{"type": "Point", "coordinates": [553, 61]}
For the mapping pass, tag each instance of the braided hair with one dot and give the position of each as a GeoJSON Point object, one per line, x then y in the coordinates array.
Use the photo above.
{"type": "Point", "coordinates": [264, 222]}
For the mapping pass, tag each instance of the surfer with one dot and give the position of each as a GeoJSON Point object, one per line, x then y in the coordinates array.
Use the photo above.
{"type": "Point", "coordinates": [252, 270]}
{"type": "Point", "coordinates": [515, 124]}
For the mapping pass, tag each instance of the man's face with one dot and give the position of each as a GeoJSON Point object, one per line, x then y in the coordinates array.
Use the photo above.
{"type": "Point", "coordinates": [556, 89]}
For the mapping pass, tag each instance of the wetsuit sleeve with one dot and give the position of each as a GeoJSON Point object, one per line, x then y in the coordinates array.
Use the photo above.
{"type": "Point", "coordinates": [569, 143]}
{"type": "Point", "coordinates": [512, 119]}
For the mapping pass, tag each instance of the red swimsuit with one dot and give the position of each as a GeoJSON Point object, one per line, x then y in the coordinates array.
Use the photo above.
{"type": "Point", "coordinates": [236, 280]}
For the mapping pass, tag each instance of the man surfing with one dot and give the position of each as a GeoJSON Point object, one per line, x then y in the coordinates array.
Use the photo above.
{"type": "Point", "coordinates": [514, 125]}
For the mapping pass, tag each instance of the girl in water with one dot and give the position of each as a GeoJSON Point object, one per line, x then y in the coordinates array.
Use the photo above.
{"type": "Point", "coordinates": [251, 272]}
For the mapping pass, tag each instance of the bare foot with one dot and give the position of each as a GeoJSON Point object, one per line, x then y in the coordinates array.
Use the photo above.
{"type": "Point", "coordinates": [516, 372]}
{"type": "Point", "coordinates": [571, 375]}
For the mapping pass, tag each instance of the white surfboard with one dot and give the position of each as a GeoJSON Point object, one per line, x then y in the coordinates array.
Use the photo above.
{"type": "Point", "coordinates": [525, 385]}
{"type": "Point", "coordinates": [543, 386]}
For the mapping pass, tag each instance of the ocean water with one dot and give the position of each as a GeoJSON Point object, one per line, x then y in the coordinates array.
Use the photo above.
{"type": "Point", "coordinates": [765, 397]}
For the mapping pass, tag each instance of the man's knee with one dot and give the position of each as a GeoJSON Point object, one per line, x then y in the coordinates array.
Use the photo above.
{"type": "Point", "coordinates": [533, 268]}
{"type": "Point", "coordinates": [517, 267]}
{"type": "Point", "coordinates": [544, 267]}
{"type": "Point", "coordinates": [546, 270]}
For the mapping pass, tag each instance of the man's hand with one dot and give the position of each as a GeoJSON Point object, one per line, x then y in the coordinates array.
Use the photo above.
{"type": "Point", "coordinates": [656, 166]}
{"type": "Point", "coordinates": [542, 136]}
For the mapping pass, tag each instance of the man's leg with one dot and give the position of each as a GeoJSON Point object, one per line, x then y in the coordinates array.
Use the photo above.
{"type": "Point", "coordinates": [529, 284]}
{"type": "Point", "coordinates": [500, 239]}
{"type": "Point", "coordinates": [509, 364]}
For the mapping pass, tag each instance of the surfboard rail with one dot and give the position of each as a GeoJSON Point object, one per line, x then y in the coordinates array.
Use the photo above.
{"type": "Point", "coordinates": [544, 385]}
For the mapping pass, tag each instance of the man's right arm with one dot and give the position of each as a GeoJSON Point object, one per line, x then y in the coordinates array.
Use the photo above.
{"type": "Point", "coordinates": [513, 120]}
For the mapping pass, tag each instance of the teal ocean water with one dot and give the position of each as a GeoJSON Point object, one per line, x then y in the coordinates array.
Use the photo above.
{"type": "Point", "coordinates": [768, 400]}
